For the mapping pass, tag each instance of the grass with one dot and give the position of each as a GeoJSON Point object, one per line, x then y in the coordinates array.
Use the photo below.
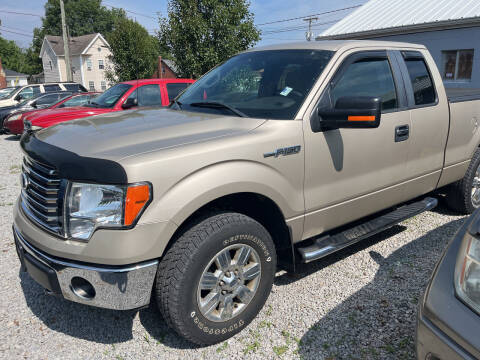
{"type": "Point", "coordinates": [280, 350]}
{"type": "Point", "coordinates": [251, 348]}
{"type": "Point", "coordinates": [222, 347]}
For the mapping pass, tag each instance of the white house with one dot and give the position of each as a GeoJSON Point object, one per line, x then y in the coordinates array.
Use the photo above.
{"type": "Point", "coordinates": [88, 59]}
{"type": "Point", "coordinates": [15, 78]}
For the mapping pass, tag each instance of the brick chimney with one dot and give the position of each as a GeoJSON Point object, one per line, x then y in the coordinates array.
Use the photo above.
{"type": "Point", "coordinates": [3, 79]}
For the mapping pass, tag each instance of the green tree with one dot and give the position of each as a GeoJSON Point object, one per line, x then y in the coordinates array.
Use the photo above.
{"type": "Point", "coordinates": [13, 57]}
{"type": "Point", "coordinates": [203, 33]}
{"type": "Point", "coordinates": [82, 16]}
{"type": "Point", "coordinates": [134, 52]}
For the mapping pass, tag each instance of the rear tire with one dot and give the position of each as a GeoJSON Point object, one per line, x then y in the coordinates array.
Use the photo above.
{"type": "Point", "coordinates": [463, 196]}
{"type": "Point", "coordinates": [235, 258]}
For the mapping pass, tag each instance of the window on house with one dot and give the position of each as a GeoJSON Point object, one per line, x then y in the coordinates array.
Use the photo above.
{"type": "Point", "coordinates": [100, 64]}
{"type": "Point", "coordinates": [50, 63]}
{"type": "Point", "coordinates": [99, 49]}
{"type": "Point", "coordinates": [89, 65]}
{"type": "Point", "coordinates": [91, 86]}
{"type": "Point", "coordinates": [104, 85]}
{"type": "Point", "coordinates": [457, 65]}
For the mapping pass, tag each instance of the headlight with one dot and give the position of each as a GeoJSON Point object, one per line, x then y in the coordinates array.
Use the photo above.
{"type": "Point", "coordinates": [90, 206]}
{"type": "Point", "coordinates": [467, 272]}
{"type": "Point", "coordinates": [13, 117]}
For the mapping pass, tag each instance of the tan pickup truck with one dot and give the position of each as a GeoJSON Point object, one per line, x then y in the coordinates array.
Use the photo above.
{"type": "Point", "coordinates": [280, 155]}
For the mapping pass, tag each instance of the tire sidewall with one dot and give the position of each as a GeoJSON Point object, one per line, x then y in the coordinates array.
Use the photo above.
{"type": "Point", "coordinates": [468, 191]}
{"type": "Point", "coordinates": [250, 233]}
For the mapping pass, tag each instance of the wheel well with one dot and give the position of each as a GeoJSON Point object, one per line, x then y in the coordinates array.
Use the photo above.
{"type": "Point", "coordinates": [259, 208]}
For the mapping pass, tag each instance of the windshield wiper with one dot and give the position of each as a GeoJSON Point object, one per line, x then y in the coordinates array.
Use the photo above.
{"type": "Point", "coordinates": [219, 105]}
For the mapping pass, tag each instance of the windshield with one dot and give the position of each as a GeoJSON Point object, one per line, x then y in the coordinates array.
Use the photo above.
{"type": "Point", "coordinates": [110, 97]}
{"type": "Point", "coordinates": [262, 84]}
{"type": "Point", "coordinates": [5, 93]}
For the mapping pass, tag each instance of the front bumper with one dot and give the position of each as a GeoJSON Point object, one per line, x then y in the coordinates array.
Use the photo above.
{"type": "Point", "coordinates": [112, 287]}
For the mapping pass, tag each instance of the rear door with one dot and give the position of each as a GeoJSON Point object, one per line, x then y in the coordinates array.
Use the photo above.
{"type": "Point", "coordinates": [174, 89]}
{"type": "Point", "coordinates": [350, 173]}
{"type": "Point", "coordinates": [429, 115]}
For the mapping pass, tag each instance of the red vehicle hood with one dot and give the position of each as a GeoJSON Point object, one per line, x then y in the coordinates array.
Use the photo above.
{"type": "Point", "coordinates": [51, 117]}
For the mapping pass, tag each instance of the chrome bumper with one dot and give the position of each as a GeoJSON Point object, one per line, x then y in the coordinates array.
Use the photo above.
{"type": "Point", "coordinates": [111, 287]}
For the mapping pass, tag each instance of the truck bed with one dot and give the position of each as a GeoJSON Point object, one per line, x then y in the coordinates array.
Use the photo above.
{"type": "Point", "coordinates": [462, 94]}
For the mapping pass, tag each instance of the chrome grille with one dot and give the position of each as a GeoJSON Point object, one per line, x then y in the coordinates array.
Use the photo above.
{"type": "Point", "coordinates": [41, 187]}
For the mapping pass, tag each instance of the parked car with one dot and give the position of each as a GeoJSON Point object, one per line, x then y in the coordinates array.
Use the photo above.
{"type": "Point", "coordinates": [280, 155]}
{"type": "Point", "coordinates": [151, 92]}
{"type": "Point", "coordinates": [14, 123]}
{"type": "Point", "coordinates": [448, 322]}
{"type": "Point", "coordinates": [7, 91]}
{"type": "Point", "coordinates": [40, 101]}
{"type": "Point", "coordinates": [26, 92]}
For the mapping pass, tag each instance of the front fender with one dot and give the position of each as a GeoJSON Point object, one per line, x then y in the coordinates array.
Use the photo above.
{"type": "Point", "coordinates": [225, 178]}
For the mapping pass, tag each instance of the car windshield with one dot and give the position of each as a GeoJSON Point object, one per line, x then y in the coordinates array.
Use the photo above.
{"type": "Point", "coordinates": [5, 93]}
{"type": "Point", "coordinates": [110, 97]}
{"type": "Point", "coordinates": [263, 84]}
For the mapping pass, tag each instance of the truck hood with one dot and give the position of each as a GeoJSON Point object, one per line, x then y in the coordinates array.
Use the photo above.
{"type": "Point", "coordinates": [121, 134]}
{"type": "Point", "coordinates": [51, 116]}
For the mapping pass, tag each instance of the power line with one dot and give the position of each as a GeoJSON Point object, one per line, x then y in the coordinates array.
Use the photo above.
{"type": "Point", "coordinates": [297, 28]}
{"type": "Point", "coordinates": [301, 17]}
{"type": "Point", "coordinates": [132, 12]}
{"type": "Point", "coordinates": [19, 13]}
{"type": "Point", "coordinates": [15, 32]}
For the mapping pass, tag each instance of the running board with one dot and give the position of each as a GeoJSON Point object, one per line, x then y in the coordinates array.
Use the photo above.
{"type": "Point", "coordinates": [326, 245]}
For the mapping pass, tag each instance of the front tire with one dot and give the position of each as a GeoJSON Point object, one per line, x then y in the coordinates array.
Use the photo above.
{"type": "Point", "coordinates": [464, 195]}
{"type": "Point", "coordinates": [216, 277]}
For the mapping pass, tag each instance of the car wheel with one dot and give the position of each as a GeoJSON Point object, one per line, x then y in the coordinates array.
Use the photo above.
{"type": "Point", "coordinates": [216, 277]}
{"type": "Point", "coordinates": [464, 195]}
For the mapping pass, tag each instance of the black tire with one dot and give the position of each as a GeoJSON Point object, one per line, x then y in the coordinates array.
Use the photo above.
{"type": "Point", "coordinates": [459, 194]}
{"type": "Point", "coordinates": [181, 268]}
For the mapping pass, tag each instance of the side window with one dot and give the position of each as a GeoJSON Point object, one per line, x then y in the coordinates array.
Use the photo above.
{"type": "Point", "coordinates": [47, 99]}
{"type": "Point", "coordinates": [174, 89]}
{"type": "Point", "coordinates": [52, 88]}
{"type": "Point", "coordinates": [26, 93]}
{"type": "Point", "coordinates": [72, 87]}
{"type": "Point", "coordinates": [422, 84]}
{"type": "Point", "coordinates": [368, 77]}
{"type": "Point", "coordinates": [148, 95]}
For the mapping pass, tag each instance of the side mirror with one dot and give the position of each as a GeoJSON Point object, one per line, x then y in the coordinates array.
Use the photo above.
{"type": "Point", "coordinates": [356, 112]}
{"type": "Point", "coordinates": [18, 97]}
{"type": "Point", "coordinates": [34, 104]}
{"type": "Point", "coordinates": [129, 103]}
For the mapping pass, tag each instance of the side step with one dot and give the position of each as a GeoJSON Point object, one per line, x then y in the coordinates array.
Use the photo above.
{"type": "Point", "coordinates": [328, 244]}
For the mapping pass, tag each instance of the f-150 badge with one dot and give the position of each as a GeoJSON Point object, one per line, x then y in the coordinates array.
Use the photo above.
{"type": "Point", "coordinates": [284, 151]}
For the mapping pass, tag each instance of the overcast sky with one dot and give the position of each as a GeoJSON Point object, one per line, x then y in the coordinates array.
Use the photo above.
{"type": "Point", "coordinates": [20, 27]}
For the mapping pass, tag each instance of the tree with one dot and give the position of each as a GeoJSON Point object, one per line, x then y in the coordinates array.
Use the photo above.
{"type": "Point", "coordinates": [82, 16]}
{"type": "Point", "coordinates": [134, 52]}
{"type": "Point", "coordinates": [203, 33]}
{"type": "Point", "coordinates": [13, 57]}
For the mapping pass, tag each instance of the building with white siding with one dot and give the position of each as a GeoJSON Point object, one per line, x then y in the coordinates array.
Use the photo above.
{"type": "Point", "coordinates": [88, 59]}
{"type": "Point", "coordinates": [450, 29]}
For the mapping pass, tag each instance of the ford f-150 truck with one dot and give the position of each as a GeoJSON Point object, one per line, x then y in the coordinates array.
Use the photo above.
{"type": "Point", "coordinates": [280, 155]}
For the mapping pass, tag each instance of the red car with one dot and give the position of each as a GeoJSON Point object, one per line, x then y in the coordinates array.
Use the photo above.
{"type": "Point", "coordinates": [14, 123]}
{"type": "Point", "coordinates": [124, 95]}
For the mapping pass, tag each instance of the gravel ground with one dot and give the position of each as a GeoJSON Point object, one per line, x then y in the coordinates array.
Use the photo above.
{"type": "Point", "coordinates": [358, 303]}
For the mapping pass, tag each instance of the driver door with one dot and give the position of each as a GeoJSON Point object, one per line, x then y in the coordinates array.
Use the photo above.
{"type": "Point", "coordinates": [351, 173]}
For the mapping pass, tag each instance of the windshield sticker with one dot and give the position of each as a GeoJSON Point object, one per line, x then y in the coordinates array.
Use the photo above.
{"type": "Point", "coordinates": [286, 91]}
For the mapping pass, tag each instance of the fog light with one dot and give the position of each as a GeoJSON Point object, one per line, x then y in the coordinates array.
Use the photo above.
{"type": "Point", "coordinates": [82, 288]}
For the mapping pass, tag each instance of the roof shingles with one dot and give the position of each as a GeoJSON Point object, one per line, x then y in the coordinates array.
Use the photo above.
{"type": "Point", "coordinates": [77, 44]}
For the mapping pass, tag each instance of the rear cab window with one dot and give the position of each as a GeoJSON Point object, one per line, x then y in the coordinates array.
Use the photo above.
{"type": "Point", "coordinates": [420, 78]}
{"type": "Point", "coordinates": [173, 89]}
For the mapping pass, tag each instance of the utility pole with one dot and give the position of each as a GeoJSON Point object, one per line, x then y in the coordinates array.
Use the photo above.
{"type": "Point", "coordinates": [66, 47]}
{"type": "Point", "coordinates": [309, 34]}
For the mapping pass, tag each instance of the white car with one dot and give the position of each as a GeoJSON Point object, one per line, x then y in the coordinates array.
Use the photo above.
{"type": "Point", "coordinates": [26, 92]}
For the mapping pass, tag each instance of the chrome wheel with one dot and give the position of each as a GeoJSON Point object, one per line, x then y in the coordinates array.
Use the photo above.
{"type": "Point", "coordinates": [229, 282]}
{"type": "Point", "coordinates": [476, 189]}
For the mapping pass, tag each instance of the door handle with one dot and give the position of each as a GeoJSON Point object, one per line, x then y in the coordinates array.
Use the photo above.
{"type": "Point", "coordinates": [401, 133]}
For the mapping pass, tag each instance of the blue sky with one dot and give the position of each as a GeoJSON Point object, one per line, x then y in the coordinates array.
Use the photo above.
{"type": "Point", "coordinates": [264, 11]}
